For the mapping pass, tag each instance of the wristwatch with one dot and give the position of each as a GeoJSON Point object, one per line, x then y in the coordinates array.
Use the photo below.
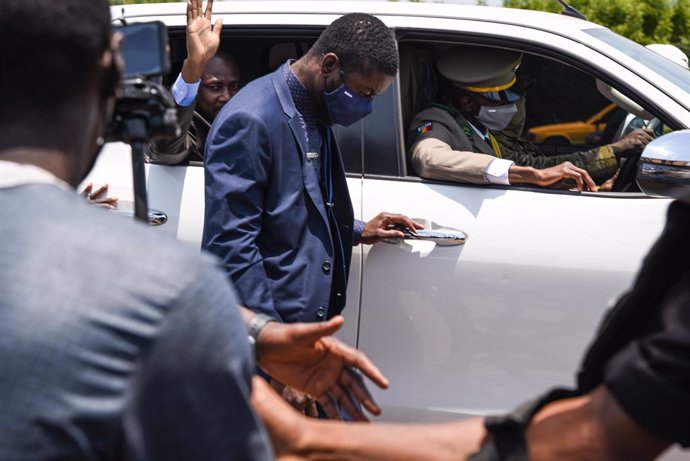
{"type": "Point", "coordinates": [254, 327]}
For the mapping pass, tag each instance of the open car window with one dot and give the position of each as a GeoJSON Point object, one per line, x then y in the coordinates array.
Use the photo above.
{"type": "Point", "coordinates": [565, 112]}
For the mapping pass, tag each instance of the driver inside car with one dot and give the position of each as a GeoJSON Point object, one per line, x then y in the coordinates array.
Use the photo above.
{"type": "Point", "coordinates": [461, 140]}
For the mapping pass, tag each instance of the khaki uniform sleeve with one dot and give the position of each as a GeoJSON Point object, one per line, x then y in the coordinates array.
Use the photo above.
{"type": "Point", "coordinates": [434, 159]}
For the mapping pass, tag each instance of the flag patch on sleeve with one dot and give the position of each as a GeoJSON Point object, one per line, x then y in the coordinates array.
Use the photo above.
{"type": "Point", "coordinates": [425, 127]}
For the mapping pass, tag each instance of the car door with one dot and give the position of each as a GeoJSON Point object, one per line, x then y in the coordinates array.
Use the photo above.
{"type": "Point", "coordinates": [478, 328]}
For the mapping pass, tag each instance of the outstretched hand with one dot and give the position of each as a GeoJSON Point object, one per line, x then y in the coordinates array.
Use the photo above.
{"type": "Point", "coordinates": [203, 39]}
{"type": "Point", "coordinates": [305, 356]}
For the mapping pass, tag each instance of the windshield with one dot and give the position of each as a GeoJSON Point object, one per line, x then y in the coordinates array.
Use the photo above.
{"type": "Point", "coordinates": [666, 68]}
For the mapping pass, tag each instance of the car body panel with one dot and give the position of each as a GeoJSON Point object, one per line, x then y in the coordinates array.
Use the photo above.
{"type": "Point", "coordinates": [493, 322]}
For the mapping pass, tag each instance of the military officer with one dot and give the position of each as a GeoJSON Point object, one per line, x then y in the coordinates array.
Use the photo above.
{"type": "Point", "coordinates": [461, 141]}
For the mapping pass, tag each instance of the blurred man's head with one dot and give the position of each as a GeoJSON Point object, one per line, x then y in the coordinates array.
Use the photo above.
{"type": "Point", "coordinates": [58, 75]}
{"type": "Point", "coordinates": [220, 81]}
{"type": "Point", "coordinates": [355, 59]}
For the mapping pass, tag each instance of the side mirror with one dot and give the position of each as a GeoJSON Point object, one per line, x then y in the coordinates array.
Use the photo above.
{"type": "Point", "coordinates": [664, 168]}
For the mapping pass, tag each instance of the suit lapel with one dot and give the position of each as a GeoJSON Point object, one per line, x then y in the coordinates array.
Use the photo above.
{"type": "Point", "coordinates": [309, 178]}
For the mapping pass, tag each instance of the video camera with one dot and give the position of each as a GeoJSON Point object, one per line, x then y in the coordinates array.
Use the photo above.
{"type": "Point", "coordinates": [144, 110]}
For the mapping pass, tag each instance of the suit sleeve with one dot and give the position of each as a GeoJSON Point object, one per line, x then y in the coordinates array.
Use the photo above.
{"type": "Point", "coordinates": [180, 148]}
{"type": "Point", "coordinates": [238, 164]}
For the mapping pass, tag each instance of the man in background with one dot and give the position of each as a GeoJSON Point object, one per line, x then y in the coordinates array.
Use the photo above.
{"type": "Point", "coordinates": [208, 80]}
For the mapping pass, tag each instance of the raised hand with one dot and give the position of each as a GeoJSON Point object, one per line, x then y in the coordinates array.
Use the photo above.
{"type": "Point", "coordinates": [203, 39]}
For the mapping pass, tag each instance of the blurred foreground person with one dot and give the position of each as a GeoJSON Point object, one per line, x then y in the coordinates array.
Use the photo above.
{"type": "Point", "coordinates": [130, 347]}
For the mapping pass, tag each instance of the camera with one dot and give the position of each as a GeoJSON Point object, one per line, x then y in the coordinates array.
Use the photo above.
{"type": "Point", "coordinates": [144, 110]}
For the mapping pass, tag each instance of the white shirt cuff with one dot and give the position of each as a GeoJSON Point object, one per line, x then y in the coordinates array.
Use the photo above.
{"type": "Point", "coordinates": [183, 92]}
{"type": "Point", "coordinates": [497, 171]}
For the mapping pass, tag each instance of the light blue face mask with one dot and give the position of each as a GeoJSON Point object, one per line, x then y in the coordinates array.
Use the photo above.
{"type": "Point", "coordinates": [345, 106]}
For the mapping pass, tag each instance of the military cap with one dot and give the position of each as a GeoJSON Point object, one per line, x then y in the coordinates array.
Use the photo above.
{"type": "Point", "coordinates": [483, 70]}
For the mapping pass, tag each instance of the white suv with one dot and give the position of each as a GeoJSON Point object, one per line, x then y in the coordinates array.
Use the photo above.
{"type": "Point", "coordinates": [459, 329]}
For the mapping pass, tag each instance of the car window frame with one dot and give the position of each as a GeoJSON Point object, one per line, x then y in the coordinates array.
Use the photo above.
{"type": "Point", "coordinates": [519, 44]}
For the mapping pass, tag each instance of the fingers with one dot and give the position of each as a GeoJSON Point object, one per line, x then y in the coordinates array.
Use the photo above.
{"type": "Point", "coordinates": [190, 12]}
{"type": "Point", "coordinates": [353, 386]}
{"type": "Point", "coordinates": [354, 358]}
{"type": "Point", "coordinates": [110, 202]}
{"type": "Point", "coordinates": [401, 220]}
{"type": "Point", "coordinates": [87, 190]}
{"type": "Point", "coordinates": [209, 9]}
{"type": "Point", "coordinates": [341, 395]}
{"type": "Point", "coordinates": [95, 195]}
{"type": "Point", "coordinates": [218, 27]}
{"type": "Point", "coordinates": [328, 406]}
{"type": "Point", "coordinates": [569, 171]}
{"type": "Point", "coordinates": [389, 234]}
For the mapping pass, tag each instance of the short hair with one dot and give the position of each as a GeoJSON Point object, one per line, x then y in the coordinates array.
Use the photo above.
{"type": "Point", "coordinates": [362, 42]}
{"type": "Point", "coordinates": [48, 50]}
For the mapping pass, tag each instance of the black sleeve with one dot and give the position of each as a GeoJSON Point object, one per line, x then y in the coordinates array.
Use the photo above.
{"type": "Point", "coordinates": [650, 377]}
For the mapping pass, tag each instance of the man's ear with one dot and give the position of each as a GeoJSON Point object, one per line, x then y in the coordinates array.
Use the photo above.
{"type": "Point", "coordinates": [112, 66]}
{"type": "Point", "coordinates": [330, 63]}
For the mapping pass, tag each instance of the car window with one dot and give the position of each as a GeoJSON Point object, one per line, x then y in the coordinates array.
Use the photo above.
{"type": "Point", "coordinates": [565, 113]}
{"type": "Point", "coordinates": [663, 66]}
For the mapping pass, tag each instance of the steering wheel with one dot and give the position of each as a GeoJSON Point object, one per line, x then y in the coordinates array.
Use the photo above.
{"type": "Point", "coordinates": [625, 182]}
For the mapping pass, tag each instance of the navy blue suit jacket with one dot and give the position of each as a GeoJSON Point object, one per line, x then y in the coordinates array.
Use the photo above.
{"type": "Point", "coordinates": [265, 214]}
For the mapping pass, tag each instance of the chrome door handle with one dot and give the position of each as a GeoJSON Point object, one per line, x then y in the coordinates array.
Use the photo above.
{"type": "Point", "coordinates": [156, 218]}
{"type": "Point", "coordinates": [439, 237]}
{"type": "Point", "coordinates": [442, 238]}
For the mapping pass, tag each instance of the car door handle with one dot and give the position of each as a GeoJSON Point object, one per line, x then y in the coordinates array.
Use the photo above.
{"type": "Point", "coordinates": [156, 218]}
{"type": "Point", "coordinates": [439, 237]}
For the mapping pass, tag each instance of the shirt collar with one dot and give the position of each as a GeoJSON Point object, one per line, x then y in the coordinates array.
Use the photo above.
{"type": "Point", "coordinates": [303, 100]}
{"type": "Point", "coordinates": [13, 174]}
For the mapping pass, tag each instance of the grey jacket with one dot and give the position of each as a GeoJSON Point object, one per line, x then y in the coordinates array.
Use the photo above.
{"type": "Point", "coordinates": [115, 343]}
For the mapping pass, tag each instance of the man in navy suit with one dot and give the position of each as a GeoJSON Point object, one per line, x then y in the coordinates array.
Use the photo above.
{"type": "Point", "coordinates": [278, 212]}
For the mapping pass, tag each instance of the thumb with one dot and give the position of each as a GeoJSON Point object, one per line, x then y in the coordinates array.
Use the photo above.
{"type": "Point", "coordinates": [310, 332]}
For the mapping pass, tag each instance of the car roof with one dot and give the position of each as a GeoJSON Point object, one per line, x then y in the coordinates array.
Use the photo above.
{"type": "Point", "coordinates": [313, 9]}
{"type": "Point", "coordinates": [397, 15]}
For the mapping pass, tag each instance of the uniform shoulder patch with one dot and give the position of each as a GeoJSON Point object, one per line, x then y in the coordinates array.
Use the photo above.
{"type": "Point", "coordinates": [425, 127]}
